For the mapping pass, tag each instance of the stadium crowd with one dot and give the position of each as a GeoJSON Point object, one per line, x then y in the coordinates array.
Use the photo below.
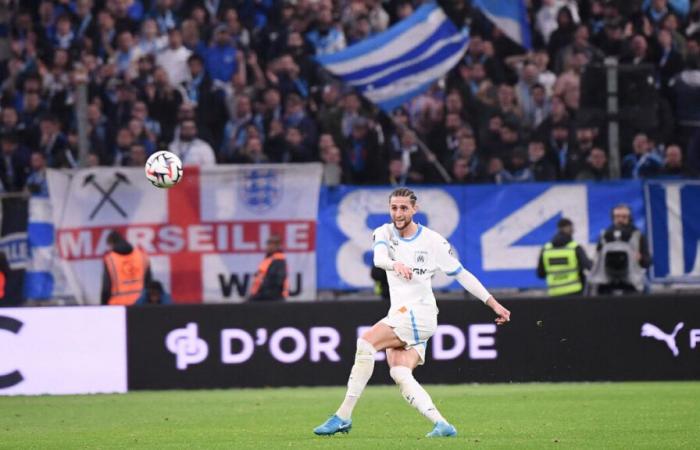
{"type": "Point", "coordinates": [234, 81]}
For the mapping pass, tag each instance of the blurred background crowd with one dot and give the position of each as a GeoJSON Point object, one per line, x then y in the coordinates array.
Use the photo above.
{"type": "Point", "coordinates": [235, 81]}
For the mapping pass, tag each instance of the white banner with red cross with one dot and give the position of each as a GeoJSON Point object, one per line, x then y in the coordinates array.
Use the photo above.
{"type": "Point", "coordinates": [205, 237]}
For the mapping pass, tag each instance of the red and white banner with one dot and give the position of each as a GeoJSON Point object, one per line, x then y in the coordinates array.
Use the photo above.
{"type": "Point", "coordinates": [205, 236]}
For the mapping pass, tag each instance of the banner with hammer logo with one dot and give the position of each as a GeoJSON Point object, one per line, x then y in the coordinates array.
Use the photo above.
{"type": "Point", "coordinates": [205, 237]}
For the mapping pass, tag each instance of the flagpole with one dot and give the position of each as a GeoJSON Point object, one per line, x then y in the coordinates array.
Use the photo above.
{"type": "Point", "coordinates": [424, 148]}
{"type": "Point", "coordinates": [399, 126]}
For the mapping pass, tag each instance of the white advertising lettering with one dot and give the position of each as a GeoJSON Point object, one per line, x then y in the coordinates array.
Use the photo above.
{"type": "Point", "coordinates": [481, 341]}
{"type": "Point", "coordinates": [187, 346]}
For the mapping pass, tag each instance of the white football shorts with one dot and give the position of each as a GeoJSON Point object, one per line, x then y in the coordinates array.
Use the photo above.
{"type": "Point", "coordinates": [414, 326]}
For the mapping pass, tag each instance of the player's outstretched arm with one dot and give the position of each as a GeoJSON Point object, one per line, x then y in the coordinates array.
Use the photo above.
{"type": "Point", "coordinates": [502, 313]}
{"type": "Point", "coordinates": [383, 261]}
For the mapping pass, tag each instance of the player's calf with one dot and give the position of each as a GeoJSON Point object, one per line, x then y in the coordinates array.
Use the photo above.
{"type": "Point", "coordinates": [414, 394]}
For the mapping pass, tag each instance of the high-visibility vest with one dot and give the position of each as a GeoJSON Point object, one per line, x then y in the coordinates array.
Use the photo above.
{"type": "Point", "coordinates": [262, 272]}
{"type": "Point", "coordinates": [562, 268]}
{"type": "Point", "coordinates": [127, 274]}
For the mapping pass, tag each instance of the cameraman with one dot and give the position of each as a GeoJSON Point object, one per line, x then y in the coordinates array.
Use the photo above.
{"type": "Point", "coordinates": [622, 258]}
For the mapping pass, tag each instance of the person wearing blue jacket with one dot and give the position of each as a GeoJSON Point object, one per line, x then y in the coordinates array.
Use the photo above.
{"type": "Point", "coordinates": [155, 294]}
{"type": "Point", "coordinates": [220, 57]}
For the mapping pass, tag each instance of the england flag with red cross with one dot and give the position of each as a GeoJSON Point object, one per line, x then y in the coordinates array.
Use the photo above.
{"type": "Point", "coordinates": [204, 237]}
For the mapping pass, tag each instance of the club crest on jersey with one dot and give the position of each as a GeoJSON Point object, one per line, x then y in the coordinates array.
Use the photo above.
{"type": "Point", "coordinates": [420, 257]}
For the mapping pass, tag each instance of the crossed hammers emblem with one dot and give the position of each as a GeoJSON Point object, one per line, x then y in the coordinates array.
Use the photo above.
{"type": "Point", "coordinates": [106, 194]}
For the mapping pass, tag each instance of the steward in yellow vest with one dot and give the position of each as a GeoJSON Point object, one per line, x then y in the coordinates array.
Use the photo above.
{"type": "Point", "coordinates": [562, 262]}
{"type": "Point", "coordinates": [126, 272]}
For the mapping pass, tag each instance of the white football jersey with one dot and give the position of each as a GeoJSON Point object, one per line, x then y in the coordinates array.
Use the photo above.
{"type": "Point", "coordinates": [425, 252]}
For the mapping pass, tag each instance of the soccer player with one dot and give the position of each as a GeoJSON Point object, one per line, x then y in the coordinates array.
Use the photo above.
{"type": "Point", "coordinates": [410, 253]}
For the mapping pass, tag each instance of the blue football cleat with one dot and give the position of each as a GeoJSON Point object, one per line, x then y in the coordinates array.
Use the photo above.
{"type": "Point", "coordinates": [333, 425]}
{"type": "Point", "coordinates": [442, 429]}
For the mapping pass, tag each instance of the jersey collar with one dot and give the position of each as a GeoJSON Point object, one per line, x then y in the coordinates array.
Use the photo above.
{"type": "Point", "coordinates": [412, 238]}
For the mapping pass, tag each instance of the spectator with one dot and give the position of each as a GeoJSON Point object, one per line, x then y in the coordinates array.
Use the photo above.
{"type": "Point", "coordinates": [517, 170]}
{"type": "Point", "coordinates": [541, 168]}
{"type": "Point", "coordinates": [191, 149]}
{"type": "Point", "coordinates": [686, 93]}
{"type": "Point", "coordinates": [137, 156]}
{"type": "Point", "coordinates": [643, 163]}
{"type": "Point", "coordinates": [126, 55]}
{"type": "Point", "coordinates": [326, 38]}
{"type": "Point", "coordinates": [252, 152]}
{"type": "Point", "coordinates": [36, 181]}
{"type": "Point", "coordinates": [295, 116]}
{"type": "Point", "coordinates": [397, 172]}
{"type": "Point", "coordinates": [332, 159]}
{"type": "Point", "coordinates": [539, 107]}
{"type": "Point", "coordinates": [596, 168]}
{"type": "Point", "coordinates": [173, 59]}
{"type": "Point", "coordinates": [142, 135]}
{"type": "Point", "coordinates": [270, 282]}
{"type": "Point", "coordinates": [119, 156]}
{"type": "Point", "coordinates": [164, 15]}
{"type": "Point", "coordinates": [163, 102]}
{"type": "Point", "coordinates": [221, 58]}
{"type": "Point", "coordinates": [496, 172]}
{"type": "Point", "coordinates": [54, 144]}
{"type": "Point", "coordinates": [564, 158]}
{"type": "Point", "coordinates": [127, 272]}
{"type": "Point", "coordinates": [564, 33]}
{"type": "Point", "coordinates": [673, 164]}
{"type": "Point", "coordinates": [580, 44]}
{"type": "Point", "coordinates": [562, 262]}
{"type": "Point", "coordinates": [622, 256]}
{"type": "Point", "coordinates": [201, 92]}
{"type": "Point", "coordinates": [155, 294]}
{"type": "Point", "coordinates": [466, 149]}
{"type": "Point", "coordinates": [151, 42]}
{"type": "Point", "coordinates": [13, 163]}
{"type": "Point", "coordinates": [461, 173]}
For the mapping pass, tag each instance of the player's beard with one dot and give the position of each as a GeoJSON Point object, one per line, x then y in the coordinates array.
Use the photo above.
{"type": "Point", "coordinates": [405, 224]}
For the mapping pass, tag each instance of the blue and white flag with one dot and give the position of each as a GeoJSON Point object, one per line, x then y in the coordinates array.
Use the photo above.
{"type": "Point", "coordinates": [403, 61]}
{"type": "Point", "coordinates": [510, 16]}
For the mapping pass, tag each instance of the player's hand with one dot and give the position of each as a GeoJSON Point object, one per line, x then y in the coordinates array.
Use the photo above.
{"type": "Point", "coordinates": [403, 270]}
{"type": "Point", "coordinates": [502, 313]}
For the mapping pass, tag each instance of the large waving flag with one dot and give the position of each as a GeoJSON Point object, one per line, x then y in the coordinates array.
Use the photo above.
{"type": "Point", "coordinates": [403, 61]}
{"type": "Point", "coordinates": [510, 16]}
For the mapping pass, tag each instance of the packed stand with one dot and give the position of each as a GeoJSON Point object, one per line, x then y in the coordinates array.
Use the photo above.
{"type": "Point", "coordinates": [234, 81]}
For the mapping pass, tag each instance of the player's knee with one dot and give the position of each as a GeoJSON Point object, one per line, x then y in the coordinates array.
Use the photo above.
{"type": "Point", "coordinates": [364, 348]}
{"type": "Point", "coordinates": [400, 374]}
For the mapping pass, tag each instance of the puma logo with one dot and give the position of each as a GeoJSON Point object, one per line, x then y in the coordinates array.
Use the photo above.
{"type": "Point", "coordinates": [651, 330]}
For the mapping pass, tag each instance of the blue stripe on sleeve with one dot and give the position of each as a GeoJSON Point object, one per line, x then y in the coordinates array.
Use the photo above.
{"type": "Point", "coordinates": [455, 272]}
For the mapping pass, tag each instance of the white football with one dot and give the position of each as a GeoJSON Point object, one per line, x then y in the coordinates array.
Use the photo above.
{"type": "Point", "coordinates": [163, 169]}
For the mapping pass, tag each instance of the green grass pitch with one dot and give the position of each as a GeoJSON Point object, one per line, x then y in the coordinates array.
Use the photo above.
{"type": "Point", "coordinates": [537, 416]}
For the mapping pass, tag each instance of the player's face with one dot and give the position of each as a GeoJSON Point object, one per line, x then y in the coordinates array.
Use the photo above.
{"type": "Point", "coordinates": [401, 211]}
